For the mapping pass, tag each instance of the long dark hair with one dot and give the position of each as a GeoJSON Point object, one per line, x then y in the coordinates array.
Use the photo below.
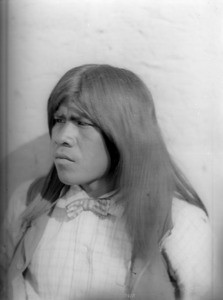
{"type": "Point", "coordinates": [145, 175]}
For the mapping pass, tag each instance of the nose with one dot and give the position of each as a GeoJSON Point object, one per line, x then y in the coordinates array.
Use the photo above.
{"type": "Point", "coordinates": [65, 135]}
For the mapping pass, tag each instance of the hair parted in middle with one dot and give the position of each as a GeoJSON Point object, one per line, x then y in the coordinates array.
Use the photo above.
{"type": "Point", "coordinates": [120, 105]}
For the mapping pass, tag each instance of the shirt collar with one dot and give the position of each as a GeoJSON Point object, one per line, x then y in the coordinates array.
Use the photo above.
{"type": "Point", "coordinates": [116, 209]}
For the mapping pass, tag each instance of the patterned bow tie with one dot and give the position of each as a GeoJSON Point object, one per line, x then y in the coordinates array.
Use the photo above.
{"type": "Point", "coordinates": [76, 201]}
{"type": "Point", "coordinates": [98, 206]}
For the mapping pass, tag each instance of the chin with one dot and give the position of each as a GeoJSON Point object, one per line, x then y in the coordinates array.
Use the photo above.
{"type": "Point", "coordinates": [65, 179]}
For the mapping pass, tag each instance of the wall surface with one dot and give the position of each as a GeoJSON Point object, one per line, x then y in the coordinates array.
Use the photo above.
{"type": "Point", "coordinates": [174, 45]}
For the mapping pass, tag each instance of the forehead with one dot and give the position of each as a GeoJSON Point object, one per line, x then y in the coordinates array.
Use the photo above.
{"type": "Point", "coordinates": [70, 109]}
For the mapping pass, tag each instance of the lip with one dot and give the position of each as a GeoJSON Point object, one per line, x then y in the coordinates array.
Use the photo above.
{"type": "Point", "coordinates": [63, 157]}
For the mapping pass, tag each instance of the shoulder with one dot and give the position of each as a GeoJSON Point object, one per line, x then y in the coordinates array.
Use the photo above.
{"type": "Point", "coordinates": [23, 196]}
{"type": "Point", "coordinates": [182, 210]}
{"type": "Point", "coordinates": [16, 206]}
{"type": "Point", "coordinates": [17, 202]}
{"type": "Point", "coordinates": [188, 248]}
{"type": "Point", "coordinates": [191, 230]}
{"type": "Point", "coordinates": [189, 222]}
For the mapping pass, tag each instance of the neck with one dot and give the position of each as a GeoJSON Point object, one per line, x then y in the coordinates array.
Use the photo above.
{"type": "Point", "coordinates": [98, 188]}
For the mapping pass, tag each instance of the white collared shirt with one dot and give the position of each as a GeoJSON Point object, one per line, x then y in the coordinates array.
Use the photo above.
{"type": "Point", "coordinates": [188, 246]}
{"type": "Point", "coordinates": [79, 258]}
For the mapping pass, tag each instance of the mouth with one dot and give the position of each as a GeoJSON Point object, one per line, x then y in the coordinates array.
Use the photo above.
{"type": "Point", "coordinates": [60, 157]}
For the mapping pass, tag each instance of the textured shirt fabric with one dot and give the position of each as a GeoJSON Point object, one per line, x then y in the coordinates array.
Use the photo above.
{"type": "Point", "coordinates": [79, 258]}
{"type": "Point", "coordinates": [188, 247]}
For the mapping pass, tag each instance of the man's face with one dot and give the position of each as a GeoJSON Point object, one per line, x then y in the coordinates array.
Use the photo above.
{"type": "Point", "coordinates": [79, 152]}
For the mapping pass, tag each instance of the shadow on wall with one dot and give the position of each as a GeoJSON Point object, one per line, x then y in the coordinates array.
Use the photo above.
{"type": "Point", "coordinates": [28, 161]}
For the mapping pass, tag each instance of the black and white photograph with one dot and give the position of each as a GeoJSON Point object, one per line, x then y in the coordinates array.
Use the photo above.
{"type": "Point", "coordinates": [111, 166]}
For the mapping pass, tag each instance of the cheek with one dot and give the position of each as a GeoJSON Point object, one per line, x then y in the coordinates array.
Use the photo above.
{"type": "Point", "coordinates": [55, 133]}
{"type": "Point", "coordinates": [102, 158]}
{"type": "Point", "coordinates": [52, 146]}
{"type": "Point", "coordinates": [52, 137]}
{"type": "Point", "coordinates": [99, 157]}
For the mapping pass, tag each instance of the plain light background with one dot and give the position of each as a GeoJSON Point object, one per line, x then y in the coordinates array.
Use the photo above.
{"type": "Point", "coordinates": [175, 46]}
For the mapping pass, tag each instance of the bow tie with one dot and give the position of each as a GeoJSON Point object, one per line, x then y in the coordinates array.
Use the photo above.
{"type": "Point", "coordinates": [77, 200]}
{"type": "Point", "coordinates": [98, 206]}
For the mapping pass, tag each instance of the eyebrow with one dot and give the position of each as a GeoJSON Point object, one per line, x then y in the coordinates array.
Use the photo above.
{"type": "Point", "coordinates": [70, 114]}
{"type": "Point", "coordinates": [73, 116]}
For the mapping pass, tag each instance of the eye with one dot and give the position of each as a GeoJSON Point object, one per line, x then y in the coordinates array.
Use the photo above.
{"type": "Point", "coordinates": [59, 120]}
{"type": "Point", "coordinates": [83, 123]}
